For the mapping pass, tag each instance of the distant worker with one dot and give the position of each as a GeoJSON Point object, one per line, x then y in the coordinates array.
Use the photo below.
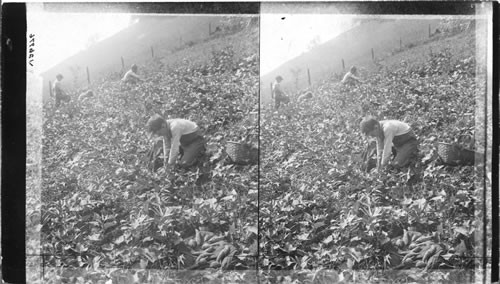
{"type": "Point", "coordinates": [131, 75]}
{"type": "Point", "coordinates": [178, 133]}
{"type": "Point", "coordinates": [306, 96]}
{"type": "Point", "coordinates": [278, 94]}
{"type": "Point", "coordinates": [58, 91]}
{"type": "Point", "coordinates": [390, 133]}
{"type": "Point", "coordinates": [86, 95]}
{"type": "Point", "coordinates": [351, 78]}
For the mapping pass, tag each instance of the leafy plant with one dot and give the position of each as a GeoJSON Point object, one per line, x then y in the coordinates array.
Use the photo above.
{"type": "Point", "coordinates": [102, 207]}
{"type": "Point", "coordinates": [318, 208]}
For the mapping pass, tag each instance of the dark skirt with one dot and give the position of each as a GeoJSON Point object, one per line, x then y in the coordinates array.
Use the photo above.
{"type": "Point", "coordinates": [280, 98]}
{"type": "Point", "coordinates": [193, 147]}
{"type": "Point", "coordinates": [406, 146]}
{"type": "Point", "coordinates": [62, 97]}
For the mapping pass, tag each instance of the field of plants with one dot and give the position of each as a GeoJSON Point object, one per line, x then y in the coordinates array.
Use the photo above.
{"type": "Point", "coordinates": [324, 219]}
{"type": "Point", "coordinates": [306, 213]}
{"type": "Point", "coordinates": [101, 208]}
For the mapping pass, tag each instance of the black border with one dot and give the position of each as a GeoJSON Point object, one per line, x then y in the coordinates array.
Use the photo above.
{"type": "Point", "coordinates": [495, 147]}
{"type": "Point", "coordinates": [339, 7]}
{"type": "Point", "coordinates": [158, 8]}
{"type": "Point", "coordinates": [257, 262]}
{"type": "Point", "coordinates": [13, 99]}
{"type": "Point", "coordinates": [13, 142]}
{"type": "Point", "coordinates": [377, 8]}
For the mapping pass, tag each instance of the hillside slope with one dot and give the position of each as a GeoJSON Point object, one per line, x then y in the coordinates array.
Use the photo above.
{"type": "Point", "coordinates": [165, 34]}
{"type": "Point", "coordinates": [354, 47]}
{"type": "Point", "coordinates": [101, 203]}
{"type": "Point", "coordinates": [318, 209]}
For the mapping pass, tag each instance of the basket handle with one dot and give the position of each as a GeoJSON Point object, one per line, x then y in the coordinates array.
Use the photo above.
{"type": "Point", "coordinates": [466, 139]}
{"type": "Point", "coordinates": [248, 134]}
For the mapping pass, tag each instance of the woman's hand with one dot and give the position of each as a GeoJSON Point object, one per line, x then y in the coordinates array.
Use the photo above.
{"type": "Point", "coordinates": [168, 171]}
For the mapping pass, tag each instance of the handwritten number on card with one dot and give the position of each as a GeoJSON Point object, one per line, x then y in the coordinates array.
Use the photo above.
{"type": "Point", "coordinates": [31, 50]}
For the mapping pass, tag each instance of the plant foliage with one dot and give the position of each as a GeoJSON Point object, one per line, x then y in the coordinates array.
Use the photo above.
{"type": "Point", "coordinates": [102, 207]}
{"type": "Point", "coordinates": [318, 209]}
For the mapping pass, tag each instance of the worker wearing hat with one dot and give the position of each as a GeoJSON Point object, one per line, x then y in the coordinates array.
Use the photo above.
{"type": "Point", "coordinates": [131, 75]}
{"type": "Point", "coordinates": [58, 91]}
{"type": "Point", "coordinates": [351, 78]}
{"type": "Point", "coordinates": [278, 94]}
{"type": "Point", "coordinates": [390, 133]}
{"type": "Point", "coordinates": [178, 134]}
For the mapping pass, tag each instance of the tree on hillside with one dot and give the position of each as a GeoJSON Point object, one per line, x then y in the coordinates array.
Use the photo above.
{"type": "Point", "coordinates": [296, 73]}
{"type": "Point", "coordinates": [76, 70]}
{"type": "Point", "coordinates": [133, 19]}
{"type": "Point", "coordinates": [314, 42]}
{"type": "Point", "coordinates": [235, 23]}
{"type": "Point", "coordinates": [93, 39]}
{"type": "Point", "coordinates": [362, 21]}
{"type": "Point", "coordinates": [146, 18]}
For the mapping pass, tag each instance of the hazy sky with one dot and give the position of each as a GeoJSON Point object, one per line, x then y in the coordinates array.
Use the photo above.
{"type": "Point", "coordinates": [61, 35]}
{"type": "Point", "coordinates": [285, 36]}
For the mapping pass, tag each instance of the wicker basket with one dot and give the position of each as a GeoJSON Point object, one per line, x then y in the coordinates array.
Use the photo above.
{"type": "Point", "coordinates": [453, 154]}
{"type": "Point", "coordinates": [241, 153]}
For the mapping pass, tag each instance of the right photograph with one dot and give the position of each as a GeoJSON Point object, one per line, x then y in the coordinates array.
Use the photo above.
{"type": "Point", "coordinates": [375, 143]}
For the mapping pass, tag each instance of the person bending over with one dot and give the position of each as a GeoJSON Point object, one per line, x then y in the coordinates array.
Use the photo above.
{"type": "Point", "coordinates": [306, 96]}
{"type": "Point", "coordinates": [178, 133]}
{"type": "Point", "coordinates": [131, 76]}
{"type": "Point", "coordinates": [390, 133]}
{"type": "Point", "coordinates": [86, 95]}
{"type": "Point", "coordinates": [351, 78]}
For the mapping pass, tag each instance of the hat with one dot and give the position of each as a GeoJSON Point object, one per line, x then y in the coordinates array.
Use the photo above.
{"type": "Point", "coordinates": [154, 124]}
{"type": "Point", "coordinates": [368, 124]}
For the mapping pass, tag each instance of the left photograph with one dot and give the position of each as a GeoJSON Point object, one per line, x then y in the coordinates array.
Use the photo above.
{"type": "Point", "coordinates": [142, 144]}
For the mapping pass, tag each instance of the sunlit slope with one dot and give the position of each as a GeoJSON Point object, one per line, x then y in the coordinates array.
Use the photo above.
{"type": "Point", "coordinates": [153, 36]}
{"type": "Point", "coordinates": [354, 47]}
